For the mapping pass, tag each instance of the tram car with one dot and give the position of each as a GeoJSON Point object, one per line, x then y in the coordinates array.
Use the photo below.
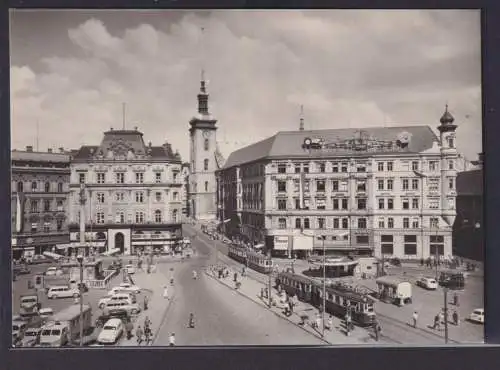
{"type": "Point", "coordinates": [339, 299]}
{"type": "Point", "coordinates": [237, 253]}
{"type": "Point", "coordinates": [259, 262]}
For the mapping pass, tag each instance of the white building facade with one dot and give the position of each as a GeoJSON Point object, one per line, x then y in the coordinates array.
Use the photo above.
{"type": "Point", "coordinates": [375, 191]}
{"type": "Point", "coordinates": [133, 194]}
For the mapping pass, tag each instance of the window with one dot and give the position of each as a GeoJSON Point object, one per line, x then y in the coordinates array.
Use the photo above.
{"type": "Point", "coordinates": [34, 227]}
{"type": "Point", "coordinates": [47, 187]}
{"type": "Point", "coordinates": [205, 145]}
{"type": "Point", "coordinates": [206, 185]}
{"type": "Point", "coordinates": [451, 164]}
{"type": "Point", "coordinates": [390, 203]}
{"type": "Point", "coordinates": [139, 197]}
{"type": "Point", "coordinates": [406, 184]}
{"type": "Point", "coordinates": [381, 203]}
{"type": "Point", "coordinates": [139, 217]}
{"type": "Point", "coordinates": [361, 186]}
{"type": "Point", "coordinates": [433, 165]}
{"type": "Point", "coordinates": [306, 223]}
{"type": "Point", "coordinates": [59, 224]}
{"type": "Point", "coordinates": [60, 205]}
{"type": "Point", "coordinates": [322, 167]}
{"type": "Point", "coordinates": [320, 185]}
{"type": "Point", "coordinates": [345, 223]}
{"type": "Point", "coordinates": [343, 186]}
{"type": "Point", "coordinates": [281, 168]}
{"type": "Point", "coordinates": [175, 174]}
{"type": "Point", "coordinates": [19, 186]}
{"type": "Point", "coordinates": [380, 166]}
{"type": "Point", "coordinates": [389, 166]}
{"type": "Point", "coordinates": [361, 168]}
{"type": "Point", "coordinates": [387, 245]}
{"type": "Point", "coordinates": [344, 167]}
{"type": "Point", "coordinates": [414, 166]}
{"type": "Point", "coordinates": [33, 186]}
{"type": "Point", "coordinates": [298, 224]}
{"type": "Point", "coordinates": [297, 168]}
{"type": "Point", "coordinates": [380, 184]}
{"type": "Point", "coordinates": [434, 203]}
{"type": "Point", "coordinates": [381, 223]}
{"type": "Point", "coordinates": [451, 142]}
{"type": "Point", "coordinates": [99, 217]}
{"type": "Point", "coordinates": [46, 205]}
{"type": "Point", "coordinates": [205, 165]}
{"type": "Point", "coordinates": [361, 223]}
{"type": "Point", "coordinates": [414, 203]}
{"type": "Point", "coordinates": [139, 178]}
{"type": "Point", "coordinates": [406, 203]}
{"type": "Point", "coordinates": [306, 168]}
{"type": "Point", "coordinates": [344, 203]}
{"type": "Point", "coordinates": [321, 203]}
{"type": "Point", "coordinates": [410, 245]}
{"type": "Point", "coordinates": [297, 203]}
{"type": "Point", "coordinates": [361, 203]}
{"type": "Point", "coordinates": [335, 203]}
{"type": "Point", "coordinates": [158, 196]}
{"type": "Point", "coordinates": [60, 187]}
{"type": "Point", "coordinates": [414, 223]}
{"type": "Point", "coordinates": [282, 186]}
{"type": "Point", "coordinates": [434, 222]}
{"type": "Point", "coordinates": [406, 223]}
{"type": "Point", "coordinates": [296, 185]}
{"type": "Point", "coordinates": [101, 177]}
{"type": "Point", "coordinates": [335, 167]}
{"type": "Point", "coordinates": [307, 203]}
{"type": "Point", "coordinates": [119, 197]}
{"type": "Point", "coordinates": [451, 183]}
{"type": "Point", "coordinates": [100, 197]}
{"type": "Point", "coordinates": [433, 184]}
{"type": "Point", "coordinates": [120, 178]}
{"type": "Point", "coordinates": [336, 223]}
{"type": "Point", "coordinates": [390, 184]}
{"type": "Point", "coordinates": [335, 185]}
{"type": "Point", "coordinates": [436, 245]}
{"type": "Point", "coordinates": [158, 218]}
{"type": "Point", "coordinates": [46, 227]}
{"type": "Point", "coordinates": [282, 223]}
{"type": "Point", "coordinates": [362, 239]}
{"type": "Point", "coordinates": [120, 217]}
{"type": "Point", "coordinates": [281, 204]}
{"type": "Point", "coordinates": [175, 195]}
{"type": "Point", "coordinates": [175, 214]}
{"type": "Point", "coordinates": [414, 184]}
{"type": "Point", "coordinates": [81, 178]}
{"type": "Point", "coordinates": [390, 223]}
{"type": "Point", "coordinates": [157, 177]}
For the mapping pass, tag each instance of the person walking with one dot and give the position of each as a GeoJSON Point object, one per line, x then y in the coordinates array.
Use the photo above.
{"type": "Point", "coordinates": [146, 303]}
{"type": "Point", "coordinates": [415, 318]}
{"type": "Point", "coordinates": [437, 323]}
{"type": "Point", "coordinates": [165, 292]}
{"type": "Point", "coordinates": [129, 327]}
{"type": "Point", "coordinates": [318, 321]}
{"type": "Point", "coordinates": [455, 300]}
{"type": "Point", "coordinates": [329, 323]}
{"type": "Point", "coordinates": [139, 333]}
{"type": "Point", "coordinates": [456, 320]}
{"type": "Point", "coordinates": [171, 340]}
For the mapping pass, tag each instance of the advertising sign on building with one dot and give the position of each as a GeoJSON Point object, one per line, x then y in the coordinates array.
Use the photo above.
{"type": "Point", "coordinates": [281, 243]}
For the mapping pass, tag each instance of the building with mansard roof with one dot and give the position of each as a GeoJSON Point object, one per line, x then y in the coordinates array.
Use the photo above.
{"type": "Point", "coordinates": [39, 198]}
{"type": "Point", "coordinates": [373, 191]}
{"type": "Point", "coordinates": [132, 192]}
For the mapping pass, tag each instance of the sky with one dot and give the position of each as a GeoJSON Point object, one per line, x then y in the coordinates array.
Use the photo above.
{"type": "Point", "coordinates": [71, 72]}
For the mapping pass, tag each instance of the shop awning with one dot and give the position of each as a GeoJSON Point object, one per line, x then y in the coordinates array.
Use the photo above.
{"type": "Point", "coordinates": [53, 256]}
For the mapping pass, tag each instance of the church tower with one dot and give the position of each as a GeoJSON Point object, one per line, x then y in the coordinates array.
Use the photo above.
{"type": "Point", "coordinates": [203, 146]}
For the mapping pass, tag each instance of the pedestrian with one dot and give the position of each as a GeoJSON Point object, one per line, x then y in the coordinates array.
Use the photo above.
{"type": "Point", "coordinates": [171, 340]}
{"type": "Point", "coordinates": [145, 303]}
{"type": "Point", "coordinates": [455, 300]}
{"type": "Point", "coordinates": [261, 292]}
{"type": "Point", "coordinates": [165, 292]}
{"type": "Point", "coordinates": [455, 318]}
{"type": "Point", "coordinates": [139, 333]}
{"type": "Point", "coordinates": [415, 318]}
{"type": "Point", "coordinates": [318, 321]}
{"type": "Point", "coordinates": [329, 323]}
{"type": "Point", "coordinates": [378, 330]}
{"type": "Point", "coordinates": [129, 327]}
{"type": "Point", "coordinates": [290, 306]}
{"type": "Point", "coordinates": [349, 322]}
{"type": "Point", "coordinates": [437, 323]}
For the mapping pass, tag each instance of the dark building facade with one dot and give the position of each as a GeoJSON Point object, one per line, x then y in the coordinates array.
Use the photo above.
{"type": "Point", "coordinates": [468, 233]}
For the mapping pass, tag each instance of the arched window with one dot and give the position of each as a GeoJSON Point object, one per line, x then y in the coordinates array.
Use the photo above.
{"type": "Point", "coordinates": [174, 216]}
{"type": "Point", "coordinates": [158, 216]}
{"type": "Point", "coordinates": [19, 186]}
{"type": "Point", "coordinates": [33, 186]}
{"type": "Point", "coordinates": [206, 185]}
{"type": "Point", "coordinates": [205, 164]}
{"type": "Point", "coordinates": [298, 224]}
{"type": "Point", "coordinates": [60, 187]}
{"type": "Point", "coordinates": [47, 187]}
{"type": "Point", "coordinates": [205, 145]}
{"type": "Point", "coordinates": [306, 223]}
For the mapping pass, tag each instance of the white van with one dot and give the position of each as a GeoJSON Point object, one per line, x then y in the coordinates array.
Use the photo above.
{"type": "Point", "coordinates": [54, 334]}
{"type": "Point", "coordinates": [62, 291]}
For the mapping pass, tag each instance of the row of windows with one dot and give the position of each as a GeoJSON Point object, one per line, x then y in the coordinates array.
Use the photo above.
{"type": "Point", "coordinates": [361, 167]}
{"type": "Point", "coordinates": [361, 203]}
{"type": "Point", "coordinates": [119, 177]}
{"type": "Point", "coordinates": [47, 227]}
{"type": "Point", "coordinates": [436, 245]}
{"type": "Point", "coordinates": [139, 197]}
{"type": "Point", "coordinates": [140, 217]}
{"type": "Point", "coordinates": [47, 206]}
{"type": "Point", "coordinates": [48, 187]}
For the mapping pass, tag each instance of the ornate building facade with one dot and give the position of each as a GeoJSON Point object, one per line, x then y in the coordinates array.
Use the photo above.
{"type": "Point", "coordinates": [132, 192]}
{"type": "Point", "coordinates": [40, 188]}
{"type": "Point", "coordinates": [376, 191]}
{"type": "Point", "coordinates": [204, 160]}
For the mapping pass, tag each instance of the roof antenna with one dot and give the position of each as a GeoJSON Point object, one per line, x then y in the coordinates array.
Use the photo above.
{"type": "Point", "coordinates": [123, 115]}
{"type": "Point", "coordinates": [301, 127]}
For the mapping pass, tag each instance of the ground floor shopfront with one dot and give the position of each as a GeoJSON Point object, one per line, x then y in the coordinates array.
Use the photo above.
{"type": "Point", "coordinates": [128, 239]}
{"type": "Point", "coordinates": [28, 245]}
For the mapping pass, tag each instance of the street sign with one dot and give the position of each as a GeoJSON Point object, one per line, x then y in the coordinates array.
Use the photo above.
{"type": "Point", "coordinates": [38, 281]}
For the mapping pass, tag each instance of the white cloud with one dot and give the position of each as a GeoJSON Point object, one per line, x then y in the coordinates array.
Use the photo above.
{"type": "Point", "coordinates": [348, 68]}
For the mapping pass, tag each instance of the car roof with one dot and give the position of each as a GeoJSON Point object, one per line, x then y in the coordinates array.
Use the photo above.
{"type": "Point", "coordinates": [478, 309]}
{"type": "Point", "coordinates": [33, 329]}
{"type": "Point", "coordinates": [58, 286]}
{"type": "Point", "coordinates": [113, 321]}
{"type": "Point", "coordinates": [46, 309]}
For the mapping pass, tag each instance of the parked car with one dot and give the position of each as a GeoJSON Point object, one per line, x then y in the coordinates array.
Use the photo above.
{"type": "Point", "coordinates": [22, 270]}
{"type": "Point", "coordinates": [125, 287]}
{"type": "Point", "coordinates": [53, 271]}
{"type": "Point", "coordinates": [121, 314]}
{"type": "Point", "coordinates": [46, 312]}
{"type": "Point", "coordinates": [37, 259]}
{"type": "Point", "coordinates": [111, 332]}
{"type": "Point", "coordinates": [131, 308]}
{"type": "Point", "coordinates": [19, 328]}
{"type": "Point", "coordinates": [31, 337]}
{"type": "Point", "coordinates": [427, 283]}
{"type": "Point", "coordinates": [118, 297]}
{"type": "Point", "coordinates": [62, 292]}
{"type": "Point", "coordinates": [130, 269]}
{"type": "Point", "coordinates": [477, 316]}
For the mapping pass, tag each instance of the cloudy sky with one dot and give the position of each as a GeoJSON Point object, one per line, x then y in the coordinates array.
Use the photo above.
{"type": "Point", "coordinates": [72, 70]}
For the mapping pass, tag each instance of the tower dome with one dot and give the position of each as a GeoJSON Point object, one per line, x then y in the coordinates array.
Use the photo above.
{"type": "Point", "coordinates": [447, 121]}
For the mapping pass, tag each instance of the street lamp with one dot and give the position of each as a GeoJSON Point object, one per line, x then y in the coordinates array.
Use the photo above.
{"type": "Point", "coordinates": [79, 258]}
{"type": "Point", "coordinates": [445, 291]}
{"type": "Point", "coordinates": [269, 282]}
{"type": "Point", "coordinates": [323, 237]}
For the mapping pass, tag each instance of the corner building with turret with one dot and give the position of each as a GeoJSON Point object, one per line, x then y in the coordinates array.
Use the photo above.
{"type": "Point", "coordinates": [380, 191]}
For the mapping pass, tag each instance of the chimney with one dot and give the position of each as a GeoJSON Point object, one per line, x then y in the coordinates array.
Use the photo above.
{"type": "Point", "coordinates": [29, 148]}
{"type": "Point", "coordinates": [49, 150]}
{"type": "Point", "coordinates": [61, 150]}
{"type": "Point", "coordinates": [150, 144]}
{"type": "Point", "coordinates": [135, 128]}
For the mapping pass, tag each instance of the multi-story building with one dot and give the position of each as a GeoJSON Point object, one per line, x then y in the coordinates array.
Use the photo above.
{"type": "Point", "coordinates": [132, 192]}
{"type": "Point", "coordinates": [205, 160]}
{"type": "Point", "coordinates": [376, 191]}
{"type": "Point", "coordinates": [40, 188]}
{"type": "Point", "coordinates": [185, 189]}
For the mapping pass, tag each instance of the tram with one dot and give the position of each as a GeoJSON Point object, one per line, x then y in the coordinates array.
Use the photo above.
{"type": "Point", "coordinates": [237, 253]}
{"type": "Point", "coordinates": [339, 299]}
{"type": "Point", "coordinates": [259, 262]}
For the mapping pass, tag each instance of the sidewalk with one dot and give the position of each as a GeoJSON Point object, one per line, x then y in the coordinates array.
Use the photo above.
{"type": "Point", "coordinates": [157, 306]}
{"type": "Point", "coordinates": [251, 289]}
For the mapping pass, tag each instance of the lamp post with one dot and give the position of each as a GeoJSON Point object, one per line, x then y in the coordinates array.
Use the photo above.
{"type": "Point", "coordinates": [323, 237]}
{"type": "Point", "coordinates": [436, 252]}
{"type": "Point", "coordinates": [445, 291]}
{"type": "Point", "coordinates": [80, 288]}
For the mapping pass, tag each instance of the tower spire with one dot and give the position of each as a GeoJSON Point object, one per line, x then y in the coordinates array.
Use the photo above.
{"type": "Point", "coordinates": [301, 125]}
